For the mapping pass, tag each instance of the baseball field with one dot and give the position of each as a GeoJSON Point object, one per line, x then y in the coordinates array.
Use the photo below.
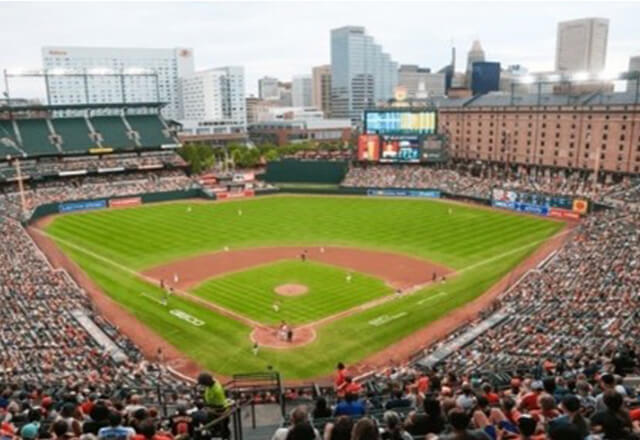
{"type": "Point", "coordinates": [351, 275]}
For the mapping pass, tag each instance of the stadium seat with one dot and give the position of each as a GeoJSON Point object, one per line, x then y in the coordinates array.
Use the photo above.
{"type": "Point", "coordinates": [35, 137]}
{"type": "Point", "coordinates": [113, 131]}
{"type": "Point", "coordinates": [150, 128]}
{"type": "Point", "coordinates": [7, 139]}
{"type": "Point", "coordinates": [74, 133]}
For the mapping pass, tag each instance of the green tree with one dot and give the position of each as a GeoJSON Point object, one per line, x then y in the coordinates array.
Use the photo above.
{"type": "Point", "coordinates": [200, 157]}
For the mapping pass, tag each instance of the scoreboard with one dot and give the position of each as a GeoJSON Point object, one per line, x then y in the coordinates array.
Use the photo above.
{"type": "Point", "coordinates": [400, 122]}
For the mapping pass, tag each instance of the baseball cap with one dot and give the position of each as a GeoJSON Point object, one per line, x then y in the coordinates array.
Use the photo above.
{"type": "Point", "coordinates": [30, 430]}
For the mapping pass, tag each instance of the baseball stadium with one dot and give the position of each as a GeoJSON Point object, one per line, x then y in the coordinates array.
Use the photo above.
{"type": "Point", "coordinates": [399, 271]}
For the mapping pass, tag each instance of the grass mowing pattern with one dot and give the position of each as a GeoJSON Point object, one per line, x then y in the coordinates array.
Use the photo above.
{"type": "Point", "coordinates": [251, 292]}
{"type": "Point", "coordinates": [153, 234]}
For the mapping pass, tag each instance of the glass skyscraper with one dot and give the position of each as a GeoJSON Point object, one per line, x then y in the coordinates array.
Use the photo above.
{"type": "Point", "coordinates": [361, 74]}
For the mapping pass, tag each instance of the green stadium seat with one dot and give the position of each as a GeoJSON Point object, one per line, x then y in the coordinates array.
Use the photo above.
{"type": "Point", "coordinates": [150, 129]}
{"type": "Point", "coordinates": [35, 137]}
{"type": "Point", "coordinates": [113, 131]}
{"type": "Point", "coordinates": [74, 133]}
{"type": "Point", "coordinates": [6, 131]}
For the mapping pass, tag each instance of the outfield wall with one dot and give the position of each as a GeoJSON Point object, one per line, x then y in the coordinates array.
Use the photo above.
{"type": "Point", "coordinates": [308, 171]}
{"type": "Point", "coordinates": [114, 202]}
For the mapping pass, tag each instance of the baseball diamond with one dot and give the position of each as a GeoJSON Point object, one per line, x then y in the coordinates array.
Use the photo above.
{"type": "Point", "coordinates": [432, 257]}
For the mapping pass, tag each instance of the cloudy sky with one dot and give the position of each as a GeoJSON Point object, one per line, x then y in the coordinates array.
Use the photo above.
{"type": "Point", "coordinates": [286, 38]}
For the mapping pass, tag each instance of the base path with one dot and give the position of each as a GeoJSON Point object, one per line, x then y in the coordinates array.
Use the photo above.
{"type": "Point", "coordinates": [146, 339]}
{"type": "Point", "coordinates": [401, 351]}
{"type": "Point", "coordinates": [399, 271]}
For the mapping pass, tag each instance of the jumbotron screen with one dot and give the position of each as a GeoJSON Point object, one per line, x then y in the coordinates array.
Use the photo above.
{"type": "Point", "coordinates": [400, 122]}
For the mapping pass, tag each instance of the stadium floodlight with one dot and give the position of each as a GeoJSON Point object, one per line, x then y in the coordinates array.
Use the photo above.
{"type": "Point", "coordinates": [136, 71]}
{"type": "Point", "coordinates": [100, 71]}
{"type": "Point", "coordinates": [528, 79]}
{"type": "Point", "coordinates": [580, 76]}
{"type": "Point", "coordinates": [608, 75]}
{"type": "Point", "coordinates": [57, 71]}
{"type": "Point", "coordinates": [16, 71]}
{"type": "Point", "coordinates": [20, 71]}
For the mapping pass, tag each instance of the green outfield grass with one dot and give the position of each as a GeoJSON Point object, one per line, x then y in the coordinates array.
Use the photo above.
{"type": "Point", "coordinates": [251, 292]}
{"type": "Point", "coordinates": [482, 245]}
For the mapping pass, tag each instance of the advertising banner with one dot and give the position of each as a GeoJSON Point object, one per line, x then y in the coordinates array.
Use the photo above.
{"type": "Point", "coordinates": [129, 201]}
{"type": "Point", "coordinates": [368, 148]}
{"type": "Point", "coordinates": [390, 151]}
{"type": "Point", "coordinates": [580, 206]}
{"type": "Point", "coordinates": [82, 206]}
{"type": "Point", "coordinates": [563, 213]}
{"type": "Point", "coordinates": [521, 207]}
{"type": "Point", "coordinates": [234, 195]}
{"type": "Point", "coordinates": [426, 193]}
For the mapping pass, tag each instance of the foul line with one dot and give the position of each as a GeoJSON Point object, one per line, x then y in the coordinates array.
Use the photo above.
{"type": "Point", "coordinates": [342, 314]}
{"type": "Point", "coordinates": [229, 313]}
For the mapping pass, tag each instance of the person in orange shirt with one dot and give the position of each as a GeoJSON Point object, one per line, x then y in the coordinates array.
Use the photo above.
{"type": "Point", "coordinates": [349, 387]}
{"type": "Point", "coordinates": [423, 383]}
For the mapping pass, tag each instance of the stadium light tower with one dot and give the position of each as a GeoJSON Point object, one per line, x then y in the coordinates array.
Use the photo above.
{"type": "Point", "coordinates": [85, 74]}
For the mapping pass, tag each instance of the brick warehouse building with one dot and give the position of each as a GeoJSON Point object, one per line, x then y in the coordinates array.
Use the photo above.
{"type": "Point", "coordinates": [595, 131]}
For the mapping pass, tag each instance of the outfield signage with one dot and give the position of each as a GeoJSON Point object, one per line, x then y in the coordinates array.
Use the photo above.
{"type": "Point", "coordinates": [234, 195]}
{"type": "Point", "coordinates": [521, 207]}
{"type": "Point", "coordinates": [82, 206]}
{"type": "Point", "coordinates": [564, 214]}
{"type": "Point", "coordinates": [128, 201]}
{"type": "Point", "coordinates": [431, 194]}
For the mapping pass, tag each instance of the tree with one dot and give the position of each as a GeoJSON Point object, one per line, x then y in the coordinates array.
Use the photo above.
{"type": "Point", "coordinates": [200, 157]}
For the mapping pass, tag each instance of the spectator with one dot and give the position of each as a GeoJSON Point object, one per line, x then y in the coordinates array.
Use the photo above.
{"type": "Point", "coordinates": [365, 429]}
{"type": "Point", "coordinates": [115, 430]}
{"type": "Point", "coordinates": [350, 406]}
{"type": "Point", "coordinates": [614, 422]}
{"type": "Point", "coordinates": [459, 421]}
{"type": "Point", "coordinates": [431, 422]}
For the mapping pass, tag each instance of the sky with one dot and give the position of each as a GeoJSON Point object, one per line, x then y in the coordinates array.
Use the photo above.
{"type": "Point", "coordinates": [282, 39]}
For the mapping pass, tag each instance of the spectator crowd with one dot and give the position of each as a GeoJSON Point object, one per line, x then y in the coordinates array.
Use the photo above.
{"type": "Point", "coordinates": [557, 367]}
{"type": "Point", "coordinates": [479, 183]}
{"type": "Point", "coordinates": [554, 368]}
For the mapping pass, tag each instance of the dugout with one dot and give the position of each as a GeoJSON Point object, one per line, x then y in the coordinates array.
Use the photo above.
{"type": "Point", "coordinates": [308, 171]}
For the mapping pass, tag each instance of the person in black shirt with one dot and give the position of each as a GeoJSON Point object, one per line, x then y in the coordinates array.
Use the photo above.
{"type": "Point", "coordinates": [614, 422]}
{"type": "Point", "coordinates": [431, 422]}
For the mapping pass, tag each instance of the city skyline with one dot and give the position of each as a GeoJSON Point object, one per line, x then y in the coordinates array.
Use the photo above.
{"type": "Point", "coordinates": [223, 34]}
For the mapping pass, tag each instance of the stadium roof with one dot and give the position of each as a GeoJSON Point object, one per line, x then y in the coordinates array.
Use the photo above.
{"type": "Point", "coordinates": [42, 107]}
{"type": "Point", "coordinates": [535, 100]}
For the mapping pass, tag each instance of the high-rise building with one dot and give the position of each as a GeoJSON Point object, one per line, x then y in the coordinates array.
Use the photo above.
{"type": "Point", "coordinates": [420, 82]}
{"type": "Point", "coordinates": [361, 73]}
{"type": "Point", "coordinates": [476, 54]}
{"type": "Point", "coordinates": [321, 88]}
{"type": "Point", "coordinates": [634, 67]}
{"type": "Point", "coordinates": [301, 91]}
{"type": "Point", "coordinates": [215, 98]}
{"type": "Point", "coordinates": [268, 88]}
{"type": "Point", "coordinates": [485, 77]}
{"type": "Point", "coordinates": [581, 45]}
{"type": "Point", "coordinates": [103, 86]}
{"type": "Point", "coordinates": [285, 94]}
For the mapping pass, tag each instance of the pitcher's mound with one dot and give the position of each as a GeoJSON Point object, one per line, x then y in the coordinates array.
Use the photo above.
{"type": "Point", "coordinates": [291, 289]}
